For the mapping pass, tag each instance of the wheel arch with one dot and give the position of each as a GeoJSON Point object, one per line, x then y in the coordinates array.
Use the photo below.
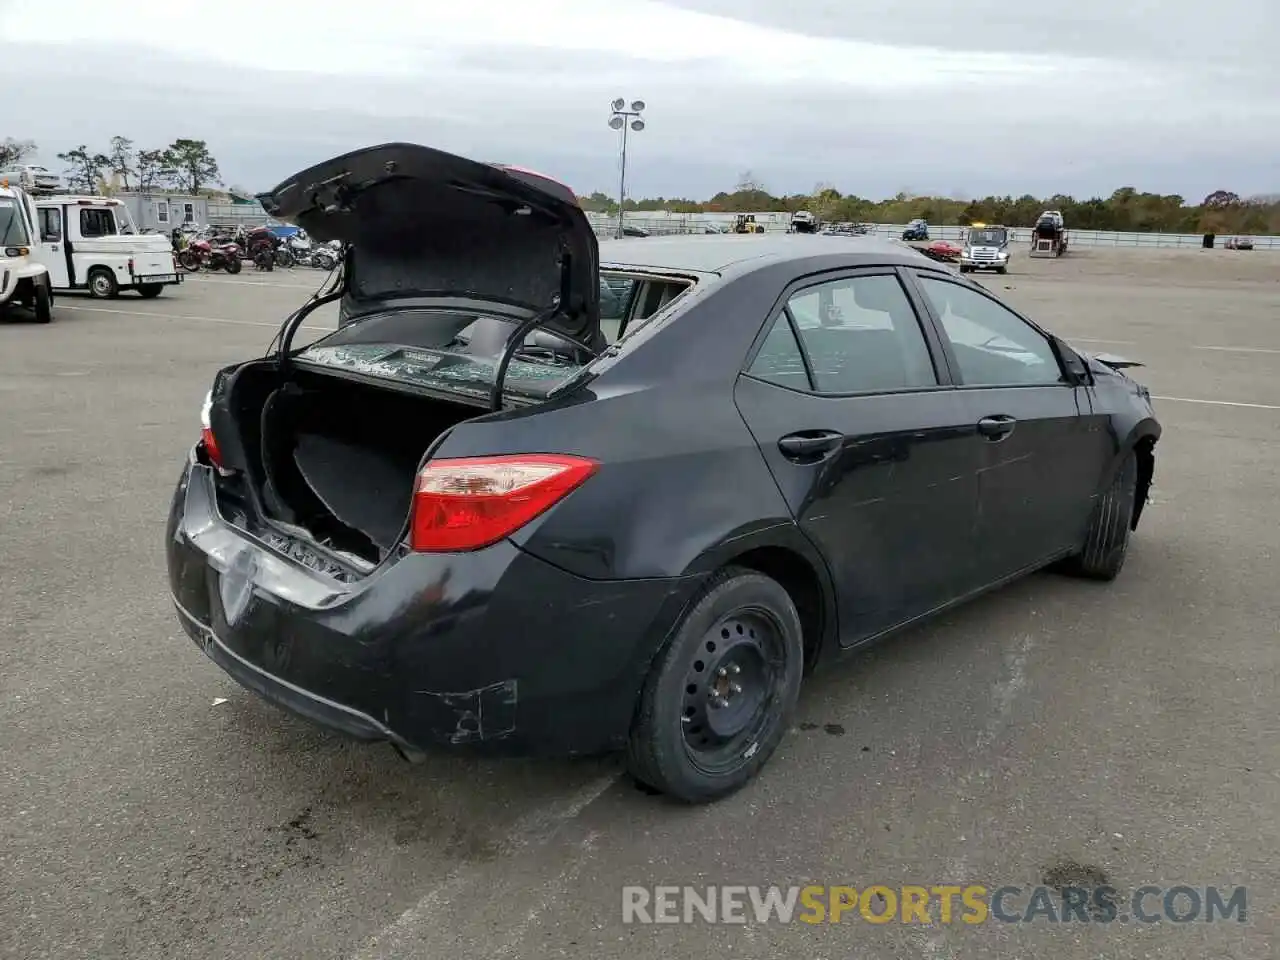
{"type": "Point", "coordinates": [783, 553]}
{"type": "Point", "coordinates": [1140, 442]}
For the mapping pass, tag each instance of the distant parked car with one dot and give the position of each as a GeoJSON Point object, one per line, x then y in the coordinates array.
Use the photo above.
{"type": "Point", "coordinates": [1239, 243]}
{"type": "Point", "coordinates": [916, 230]}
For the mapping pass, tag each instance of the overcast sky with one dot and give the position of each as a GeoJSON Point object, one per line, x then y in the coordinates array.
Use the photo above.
{"type": "Point", "coordinates": [958, 97]}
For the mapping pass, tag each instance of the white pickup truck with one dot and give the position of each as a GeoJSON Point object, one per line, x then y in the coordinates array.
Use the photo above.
{"type": "Point", "coordinates": [91, 243]}
{"type": "Point", "coordinates": [23, 280]}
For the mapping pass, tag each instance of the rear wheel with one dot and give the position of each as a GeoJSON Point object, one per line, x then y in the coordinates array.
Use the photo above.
{"type": "Point", "coordinates": [42, 304]}
{"type": "Point", "coordinates": [102, 284]}
{"type": "Point", "coordinates": [149, 291]}
{"type": "Point", "coordinates": [188, 260]}
{"type": "Point", "coordinates": [233, 264]}
{"type": "Point", "coordinates": [1107, 541]}
{"type": "Point", "coordinates": [718, 700]}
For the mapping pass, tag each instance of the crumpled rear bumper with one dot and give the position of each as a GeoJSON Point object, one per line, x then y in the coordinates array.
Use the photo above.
{"type": "Point", "coordinates": [493, 649]}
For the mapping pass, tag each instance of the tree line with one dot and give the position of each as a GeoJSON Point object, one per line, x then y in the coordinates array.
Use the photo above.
{"type": "Point", "coordinates": [1127, 209]}
{"type": "Point", "coordinates": [185, 165]}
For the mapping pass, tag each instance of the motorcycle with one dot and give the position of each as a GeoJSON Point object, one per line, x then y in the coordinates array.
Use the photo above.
{"type": "Point", "coordinates": [300, 249]}
{"type": "Point", "coordinates": [326, 255]}
{"type": "Point", "coordinates": [201, 253]}
{"type": "Point", "coordinates": [262, 246]}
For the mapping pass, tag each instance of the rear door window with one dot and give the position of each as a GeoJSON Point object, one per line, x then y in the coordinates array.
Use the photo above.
{"type": "Point", "coordinates": [861, 334]}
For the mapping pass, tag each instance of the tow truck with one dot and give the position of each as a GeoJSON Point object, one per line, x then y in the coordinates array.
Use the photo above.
{"type": "Point", "coordinates": [23, 280]}
{"type": "Point", "coordinates": [1049, 237]}
{"type": "Point", "coordinates": [986, 248]}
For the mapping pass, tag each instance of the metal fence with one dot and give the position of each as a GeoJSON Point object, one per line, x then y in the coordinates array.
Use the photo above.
{"type": "Point", "coordinates": [657, 224]}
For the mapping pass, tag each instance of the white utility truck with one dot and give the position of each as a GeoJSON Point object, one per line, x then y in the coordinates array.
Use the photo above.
{"type": "Point", "coordinates": [91, 243]}
{"type": "Point", "coordinates": [24, 280]}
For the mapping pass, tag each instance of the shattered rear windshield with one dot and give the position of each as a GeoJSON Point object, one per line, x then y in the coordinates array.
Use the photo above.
{"type": "Point", "coordinates": [448, 368]}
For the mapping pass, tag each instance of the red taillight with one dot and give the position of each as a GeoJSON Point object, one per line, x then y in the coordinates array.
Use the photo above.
{"type": "Point", "coordinates": [472, 502]}
{"type": "Point", "coordinates": [207, 439]}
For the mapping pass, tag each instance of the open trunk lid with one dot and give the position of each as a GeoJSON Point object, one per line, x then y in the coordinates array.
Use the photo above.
{"type": "Point", "coordinates": [425, 226]}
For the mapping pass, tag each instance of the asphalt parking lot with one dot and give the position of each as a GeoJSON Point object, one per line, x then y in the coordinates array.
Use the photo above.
{"type": "Point", "coordinates": [150, 808]}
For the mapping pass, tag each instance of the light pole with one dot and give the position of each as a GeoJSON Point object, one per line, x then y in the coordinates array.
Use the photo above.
{"type": "Point", "coordinates": [618, 121]}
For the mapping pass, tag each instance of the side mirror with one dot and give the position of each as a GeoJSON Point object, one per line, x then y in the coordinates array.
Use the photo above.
{"type": "Point", "coordinates": [1077, 370]}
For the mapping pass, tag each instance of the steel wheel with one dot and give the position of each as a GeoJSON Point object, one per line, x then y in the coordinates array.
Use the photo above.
{"type": "Point", "coordinates": [730, 686]}
{"type": "Point", "coordinates": [102, 284]}
{"type": "Point", "coordinates": [718, 700]}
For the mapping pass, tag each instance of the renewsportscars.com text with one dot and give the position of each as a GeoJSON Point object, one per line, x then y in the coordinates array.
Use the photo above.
{"type": "Point", "coordinates": [971, 904]}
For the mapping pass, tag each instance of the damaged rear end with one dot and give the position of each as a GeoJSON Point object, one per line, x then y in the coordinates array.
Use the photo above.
{"type": "Point", "coordinates": [322, 553]}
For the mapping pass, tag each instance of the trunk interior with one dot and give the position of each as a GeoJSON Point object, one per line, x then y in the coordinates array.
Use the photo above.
{"type": "Point", "coordinates": [337, 457]}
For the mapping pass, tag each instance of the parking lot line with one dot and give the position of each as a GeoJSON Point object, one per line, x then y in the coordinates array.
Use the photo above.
{"type": "Point", "coordinates": [255, 283]}
{"type": "Point", "coordinates": [1239, 349]}
{"type": "Point", "coordinates": [533, 830]}
{"type": "Point", "coordinates": [184, 316]}
{"type": "Point", "coordinates": [1221, 403]}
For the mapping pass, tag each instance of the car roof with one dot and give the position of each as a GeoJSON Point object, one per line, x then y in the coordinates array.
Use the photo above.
{"type": "Point", "coordinates": [716, 253]}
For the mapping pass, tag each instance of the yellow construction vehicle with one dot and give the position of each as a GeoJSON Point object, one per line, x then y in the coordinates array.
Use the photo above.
{"type": "Point", "coordinates": [746, 223]}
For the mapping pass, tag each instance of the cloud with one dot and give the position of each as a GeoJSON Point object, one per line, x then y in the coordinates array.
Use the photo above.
{"type": "Point", "coordinates": [875, 96]}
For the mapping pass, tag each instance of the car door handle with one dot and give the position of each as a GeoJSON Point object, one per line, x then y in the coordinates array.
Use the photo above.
{"type": "Point", "coordinates": [996, 427]}
{"type": "Point", "coordinates": [810, 445]}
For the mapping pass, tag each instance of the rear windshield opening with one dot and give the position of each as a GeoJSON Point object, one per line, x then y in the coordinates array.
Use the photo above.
{"type": "Point", "coordinates": [459, 351]}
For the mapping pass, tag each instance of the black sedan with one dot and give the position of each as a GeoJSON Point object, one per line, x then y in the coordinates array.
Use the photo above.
{"type": "Point", "coordinates": [487, 513]}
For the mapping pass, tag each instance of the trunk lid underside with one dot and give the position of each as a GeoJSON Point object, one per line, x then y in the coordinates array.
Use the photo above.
{"type": "Point", "coordinates": [424, 225]}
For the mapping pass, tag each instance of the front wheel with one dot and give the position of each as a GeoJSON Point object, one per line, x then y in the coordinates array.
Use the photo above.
{"type": "Point", "coordinates": [233, 265]}
{"type": "Point", "coordinates": [720, 697]}
{"type": "Point", "coordinates": [102, 284]}
{"type": "Point", "coordinates": [42, 306]}
{"type": "Point", "coordinates": [1107, 541]}
{"type": "Point", "coordinates": [149, 291]}
{"type": "Point", "coordinates": [284, 258]}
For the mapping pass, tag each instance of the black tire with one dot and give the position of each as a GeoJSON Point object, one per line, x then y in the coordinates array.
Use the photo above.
{"type": "Point", "coordinates": [149, 291]}
{"type": "Point", "coordinates": [233, 265]}
{"type": "Point", "coordinates": [284, 258]}
{"type": "Point", "coordinates": [741, 638]}
{"type": "Point", "coordinates": [1002, 269]}
{"type": "Point", "coordinates": [1107, 541]}
{"type": "Point", "coordinates": [187, 260]}
{"type": "Point", "coordinates": [42, 304]}
{"type": "Point", "coordinates": [102, 284]}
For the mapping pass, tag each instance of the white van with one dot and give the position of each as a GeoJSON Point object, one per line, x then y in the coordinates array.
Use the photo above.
{"type": "Point", "coordinates": [92, 243]}
{"type": "Point", "coordinates": [23, 280]}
